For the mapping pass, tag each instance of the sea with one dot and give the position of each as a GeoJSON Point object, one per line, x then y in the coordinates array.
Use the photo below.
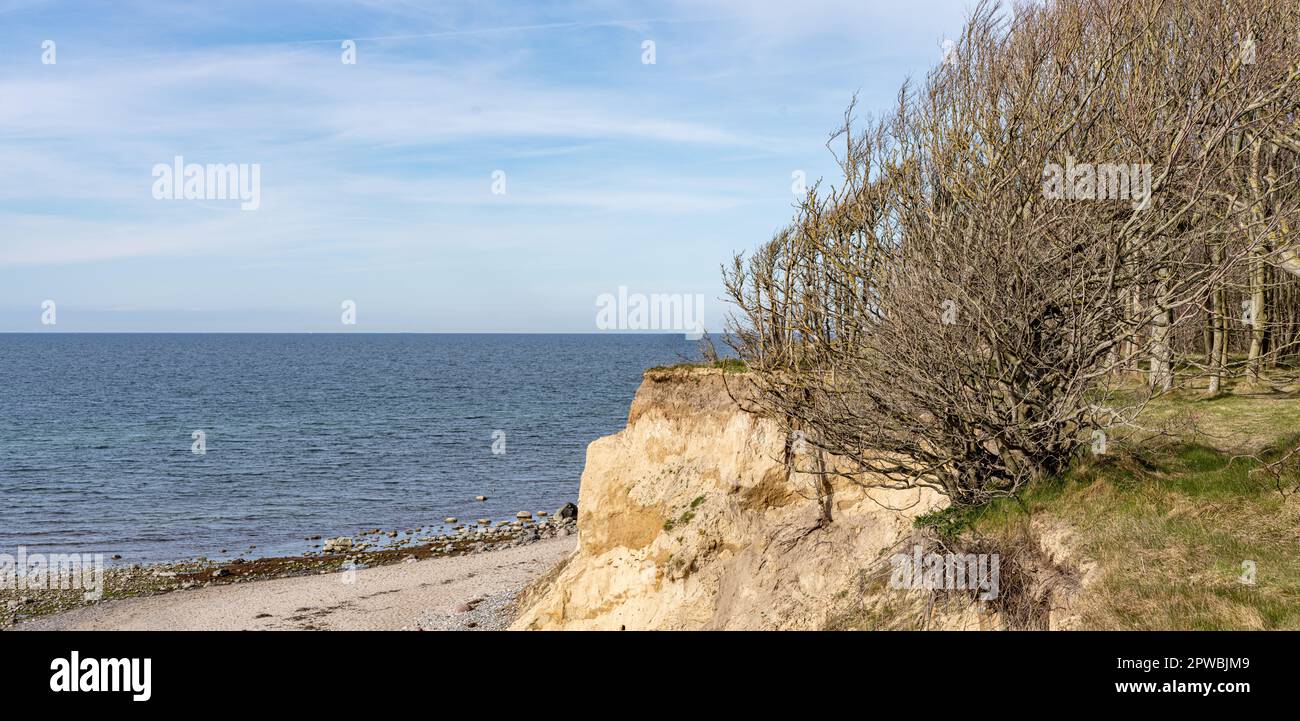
{"type": "Point", "coordinates": [165, 447]}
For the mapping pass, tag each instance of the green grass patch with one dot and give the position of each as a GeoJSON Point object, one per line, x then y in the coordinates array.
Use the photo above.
{"type": "Point", "coordinates": [687, 516]}
{"type": "Point", "coordinates": [1182, 537]}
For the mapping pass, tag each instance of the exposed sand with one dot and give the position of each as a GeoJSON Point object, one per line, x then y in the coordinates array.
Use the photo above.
{"type": "Point", "coordinates": [432, 594]}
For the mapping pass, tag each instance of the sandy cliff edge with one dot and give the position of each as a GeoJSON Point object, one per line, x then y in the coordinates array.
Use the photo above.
{"type": "Point", "coordinates": [689, 518]}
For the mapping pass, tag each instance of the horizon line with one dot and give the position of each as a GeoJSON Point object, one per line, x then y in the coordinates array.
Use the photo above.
{"type": "Point", "coordinates": [357, 332]}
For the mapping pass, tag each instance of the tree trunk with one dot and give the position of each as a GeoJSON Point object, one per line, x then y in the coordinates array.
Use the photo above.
{"type": "Point", "coordinates": [1162, 362]}
{"type": "Point", "coordinates": [1258, 317]}
{"type": "Point", "coordinates": [1218, 327]}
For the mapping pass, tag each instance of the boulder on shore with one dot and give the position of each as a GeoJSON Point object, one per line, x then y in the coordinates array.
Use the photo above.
{"type": "Point", "coordinates": [337, 545]}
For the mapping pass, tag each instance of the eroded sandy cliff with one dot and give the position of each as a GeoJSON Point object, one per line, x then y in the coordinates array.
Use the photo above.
{"type": "Point", "coordinates": [690, 518]}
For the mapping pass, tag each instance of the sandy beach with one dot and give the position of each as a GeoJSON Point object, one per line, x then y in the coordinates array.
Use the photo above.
{"type": "Point", "coordinates": [469, 592]}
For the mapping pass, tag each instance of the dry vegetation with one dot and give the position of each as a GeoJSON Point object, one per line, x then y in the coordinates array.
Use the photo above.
{"type": "Point", "coordinates": [955, 313]}
{"type": "Point", "coordinates": [1162, 527]}
{"type": "Point", "coordinates": [1109, 348]}
{"type": "Point", "coordinates": [1172, 529]}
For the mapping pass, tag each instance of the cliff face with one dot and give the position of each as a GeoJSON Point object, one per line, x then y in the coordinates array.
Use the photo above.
{"type": "Point", "coordinates": [690, 518]}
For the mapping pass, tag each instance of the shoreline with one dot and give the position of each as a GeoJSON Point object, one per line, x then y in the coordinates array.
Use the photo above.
{"type": "Point", "coordinates": [474, 591]}
{"type": "Point", "coordinates": [23, 608]}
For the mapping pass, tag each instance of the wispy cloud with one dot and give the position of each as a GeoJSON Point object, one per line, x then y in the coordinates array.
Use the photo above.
{"type": "Point", "coordinates": [386, 166]}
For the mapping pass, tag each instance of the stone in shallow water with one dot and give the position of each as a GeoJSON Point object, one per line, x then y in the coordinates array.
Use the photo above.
{"type": "Point", "coordinates": [337, 545]}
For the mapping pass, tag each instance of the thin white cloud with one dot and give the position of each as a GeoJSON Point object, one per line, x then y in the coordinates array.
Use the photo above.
{"type": "Point", "coordinates": [376, 176]}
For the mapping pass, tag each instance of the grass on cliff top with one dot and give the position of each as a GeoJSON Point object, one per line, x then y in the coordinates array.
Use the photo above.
{"type": "Point", "coordinates": [727, 365]}
{"type": "Point", "coordinates": [1185, 533]}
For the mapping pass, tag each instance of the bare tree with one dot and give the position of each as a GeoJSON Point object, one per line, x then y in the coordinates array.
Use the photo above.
{"type": "Point", "coordinates": [958, 311]}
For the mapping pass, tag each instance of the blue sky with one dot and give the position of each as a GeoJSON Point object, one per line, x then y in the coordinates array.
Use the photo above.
{"type": "Point", "coordinates": [376, 177]}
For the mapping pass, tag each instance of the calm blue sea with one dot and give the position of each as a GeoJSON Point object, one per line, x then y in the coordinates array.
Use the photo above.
{"type": "Point", "coordinates": [305, 434]}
